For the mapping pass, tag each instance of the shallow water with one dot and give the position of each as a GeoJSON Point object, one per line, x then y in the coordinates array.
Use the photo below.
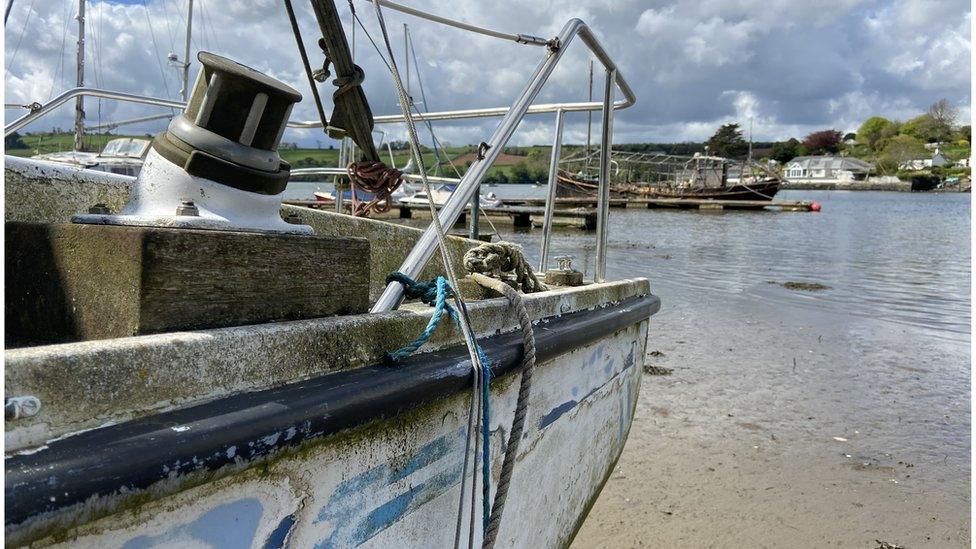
{"type": "Point", "coordinates": [904, 258]}
{"type": "Point", "coordinates": [738, 445]}
{"type": "Point", "coordinates": [898, 305]}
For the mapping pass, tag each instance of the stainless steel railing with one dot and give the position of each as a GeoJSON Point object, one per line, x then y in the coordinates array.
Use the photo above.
{"type": "Point", "coordinates": [87, 92]}
{"type": "Point", "coordinates": [427, 244]}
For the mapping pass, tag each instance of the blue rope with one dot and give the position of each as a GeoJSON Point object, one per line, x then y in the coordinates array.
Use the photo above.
{"type": "Point", "coordinates": [486, 446]}
{"type": "Point", "coordinates": [435, 294]}
{"type": "Point", "coordinates": [432, 293]}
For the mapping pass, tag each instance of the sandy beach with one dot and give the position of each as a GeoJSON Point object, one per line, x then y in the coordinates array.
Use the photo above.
{"type": "Point", "coordinates": [790, 427]}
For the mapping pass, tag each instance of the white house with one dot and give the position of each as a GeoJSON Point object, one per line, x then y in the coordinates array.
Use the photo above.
{"type": "Point", "coordinates": [827, 169]}
{"type": "Point", "coordinates": [922, 163]}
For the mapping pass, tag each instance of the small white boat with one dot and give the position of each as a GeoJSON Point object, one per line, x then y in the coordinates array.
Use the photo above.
{"type": "Point", "coordinates": [439, 194]}
{"type": "Point", "coordinates": [442, 193]}
{"type": "Point", "coordinates": [410, 195]}
{"type": "Point", "coordinates": [124, 155]}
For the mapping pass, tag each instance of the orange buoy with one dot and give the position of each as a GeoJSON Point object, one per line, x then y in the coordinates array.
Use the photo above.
{"type": "Point", "coordinates": [815, 207]}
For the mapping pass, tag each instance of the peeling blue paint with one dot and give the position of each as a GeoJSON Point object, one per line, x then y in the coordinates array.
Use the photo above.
{"type": "Point", "coordinates": [229, 526]}
{"type": "Point", "coordinates": [348, 510]}
{"type": "Point", "coordinates": [277, 538]}
{"type": "Point", "coordinates": [550, 417]}
{"type": "Point", "coordinates": [557, 412]}
{"type": "Point", "coordinates": [626, 411]}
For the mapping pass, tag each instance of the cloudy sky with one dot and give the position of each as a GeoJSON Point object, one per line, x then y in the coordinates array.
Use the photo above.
{"type": "Point", "coordinates": [793, 66]}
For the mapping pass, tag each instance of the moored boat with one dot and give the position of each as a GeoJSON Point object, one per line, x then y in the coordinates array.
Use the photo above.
{"type": "Point", "coordinates": [123, 155]}
{"type": "Point", "coordinates": [762, 189]}
{"type": "Point", "coordinates": [657, 175]}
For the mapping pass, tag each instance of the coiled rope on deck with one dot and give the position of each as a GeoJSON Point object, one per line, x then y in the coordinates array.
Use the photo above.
{"type": "Point", "coordinates": [498, 259]}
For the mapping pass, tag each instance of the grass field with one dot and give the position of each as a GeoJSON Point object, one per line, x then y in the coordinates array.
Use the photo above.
{"type": "Point", "coordinates": [522, 164]}
{"type": "Point", "coordinates": [43, 143]}
{"type": "Point", "coordinates": [535, 159]}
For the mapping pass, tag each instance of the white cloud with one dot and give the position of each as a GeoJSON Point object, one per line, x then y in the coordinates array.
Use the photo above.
{"type": "Point", "coordinates": [794, 67]}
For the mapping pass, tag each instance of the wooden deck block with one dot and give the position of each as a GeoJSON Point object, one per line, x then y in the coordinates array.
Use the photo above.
{"type": "Point", "coordinates": [73, 282]}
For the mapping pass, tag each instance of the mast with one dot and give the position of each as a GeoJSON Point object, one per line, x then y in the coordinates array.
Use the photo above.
{"type": "Point", "coordinates": [750, 139]}
{"type": "Point", "coordinates": [80, 80]}
{"type": "Point", "coordinates": [186, 50]}
{"type": "Point", "coordinates": [351, 116]}
{"type": "Point", "coordinates": [589, 117]}
{"type": "Point", "coordinates": [406, 58]}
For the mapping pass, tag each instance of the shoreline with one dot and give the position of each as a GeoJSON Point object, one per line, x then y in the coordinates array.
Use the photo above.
{"type": "Point", "coordinates": [899, 186]}
{"type": "Point", "coordinates": [803, 432]}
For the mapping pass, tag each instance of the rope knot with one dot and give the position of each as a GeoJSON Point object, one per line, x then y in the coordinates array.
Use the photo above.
{"type": "Point", "coordinates": [502, 260]}
{"type": "Point", "coordinates": [424, 291]}
{"type": "Point", "coordinates": [346, 83]}
{"type": "Point", "coordinates": [434, 293]}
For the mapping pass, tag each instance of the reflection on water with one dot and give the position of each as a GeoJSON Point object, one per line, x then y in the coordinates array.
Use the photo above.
{"type": "Point", "coordinates": [881, 357]}
{"type": "Point", "coordinates": [903, 258]}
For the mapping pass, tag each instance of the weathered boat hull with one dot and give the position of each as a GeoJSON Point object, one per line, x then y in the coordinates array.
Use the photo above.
{"type": "Point", "coordinates": [568, 187]}
{"type": "Point", "coordinates": [365, 457]}
{"type": "Point", "coordinates": [765, 189]}
{"type": "Point", "coordinates": [760, 190]}
{"type": "Point", "coordinates": [292, 433]}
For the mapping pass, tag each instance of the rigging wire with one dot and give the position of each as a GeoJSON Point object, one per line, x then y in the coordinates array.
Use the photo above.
{"type": "Point", "coordinates": [202, 23]}
{"type": "Point", "coordinates": [169, 29]}
{"type": "Point", "coordinates": [437, 142]}
{"type": "Point", "coordinates": [13, 57]}
{"type": "Point", "coordinates": [193, 41]}
{"type": "Point", "coordinates": [159, 58]}
{"type": "Point", "coordinates": [423, 98]}
{"type": "Point", "coordinates": [208, 20]}
{"type": "Point", "coordinates": [414, 106]}
{"type": "Point", "coordinates": [478, 368]}
{"type": "Point", "coordinates": [430, 128]}
{"type": "Point", "coordinates": [58, 76]}
{"type": "Point", "coordinates": [91, 23]}
{"type": "Point", "coordinates": [308, 69]}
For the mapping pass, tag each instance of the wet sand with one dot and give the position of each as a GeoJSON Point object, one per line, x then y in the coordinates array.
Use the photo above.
{"type": "Point", "coordinates": [737, 447]}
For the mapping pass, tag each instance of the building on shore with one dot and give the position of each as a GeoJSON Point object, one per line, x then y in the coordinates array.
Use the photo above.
{"type": "Point", "coordinates": [826, 169]}
{"type": "Point", "coordinates": [924, 163]}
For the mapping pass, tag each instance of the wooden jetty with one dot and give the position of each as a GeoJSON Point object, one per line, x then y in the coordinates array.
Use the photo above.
{"type": "Point", "coordinates": [522, 210]}
{"type": "Point", "coordinates": [691, 203]}
{"type": "Point", "coordinates": [521, 214]}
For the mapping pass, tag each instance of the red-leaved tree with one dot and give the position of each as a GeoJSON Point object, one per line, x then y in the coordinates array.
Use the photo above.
{"type": "Point", "coordinates": [826, 141]}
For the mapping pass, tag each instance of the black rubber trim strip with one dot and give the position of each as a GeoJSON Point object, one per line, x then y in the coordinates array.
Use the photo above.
{"type": "Point", "coordinates": [207, 166]}
{"type": "Point", "coordinates": [137, 454]}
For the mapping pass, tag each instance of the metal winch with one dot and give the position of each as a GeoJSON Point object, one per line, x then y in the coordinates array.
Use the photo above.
{"type": "Point", "coordinates": [217, 165]}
